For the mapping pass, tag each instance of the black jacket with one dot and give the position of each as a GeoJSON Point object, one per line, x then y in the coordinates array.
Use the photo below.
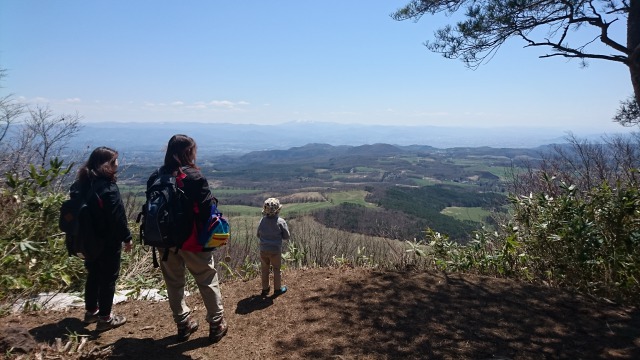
{"type": "Point", "coordinates": [109, 213]}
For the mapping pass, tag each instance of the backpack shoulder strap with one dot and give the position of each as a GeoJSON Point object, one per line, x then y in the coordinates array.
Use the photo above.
{"type": "Point", "coordinates": [93, 191]}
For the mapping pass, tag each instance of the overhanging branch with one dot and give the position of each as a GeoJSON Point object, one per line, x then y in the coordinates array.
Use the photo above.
{"type": "Point", "coordinates": [619, 59]}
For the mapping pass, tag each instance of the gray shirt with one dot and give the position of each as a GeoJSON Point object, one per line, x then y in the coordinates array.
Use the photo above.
{"type": "Point", "coordinates": [271, 231]}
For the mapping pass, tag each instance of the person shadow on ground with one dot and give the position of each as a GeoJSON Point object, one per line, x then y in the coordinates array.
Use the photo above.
{"type": "Point", "coordinates": [157, 349]}
{"type": "Point", "coordinates": [253, 303]}
{"type": "Point", "coordinates": [63, 329]}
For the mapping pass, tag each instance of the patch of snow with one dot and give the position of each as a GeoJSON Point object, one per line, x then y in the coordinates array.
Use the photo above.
{"type": "Point", "coordinates": [57, 301]}
{"type": "Point", "coordinates": [61, 301]}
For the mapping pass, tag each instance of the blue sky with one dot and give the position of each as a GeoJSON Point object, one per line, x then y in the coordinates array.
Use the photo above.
{"type": "Point", "coordinates": [266, 62]}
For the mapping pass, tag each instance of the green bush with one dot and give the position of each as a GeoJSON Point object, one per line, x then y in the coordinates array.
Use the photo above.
{"type": "Point", "coordinates": [588, 240]}
{"type": "Point", "coordinates": [32, 251]}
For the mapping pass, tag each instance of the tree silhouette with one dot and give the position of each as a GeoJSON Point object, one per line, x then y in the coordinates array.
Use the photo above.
{"type": "Point", "coordinates": [487, 24]}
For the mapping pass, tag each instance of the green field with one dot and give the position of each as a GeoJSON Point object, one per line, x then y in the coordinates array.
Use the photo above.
{"type": "Point", "coordinates": [466, 213]}
{"type": "Point", "coordinates": [476, 214]}
{"type": "Point", "coordinates": [335, 199]}
{"type": "Point", "coordinates": [135, 189]}
{"type": "Point", "coordinates": [365, 169]}
{"type": "Point", "coordinates": [500, 171]}
{"type": "Point", "coordinates": [234, 191]}
{"type": "Point", "coordinates": [352, 197]}
{"type": "Point", "coordinates": [425, 181]}
{"type": "Point", "coordinates": [483, 164]}
{"type": "Point", "coordinates": [240, 210]}
{"type": "Point", "coordinates": [140, 189]}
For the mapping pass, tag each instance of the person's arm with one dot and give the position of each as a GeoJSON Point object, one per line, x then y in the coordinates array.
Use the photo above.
{"type": "Point", "coordinates": [284, 229]}
{"type": "Point", "coordinates": [258, 229]}
{"type": "Point", "coordinates": [115, 214]}
{"type": "Point", "coordinates": [199, 192]}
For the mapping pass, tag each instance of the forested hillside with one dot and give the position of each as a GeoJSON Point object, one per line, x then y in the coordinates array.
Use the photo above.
{"type": "Point", "coordinates": [406, 188]}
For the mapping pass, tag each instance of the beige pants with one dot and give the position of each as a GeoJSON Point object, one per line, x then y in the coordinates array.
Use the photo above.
{"type": "Point", "coordinates": [201, 266]}
{"type": "Point", "coordinates": [270, 259]}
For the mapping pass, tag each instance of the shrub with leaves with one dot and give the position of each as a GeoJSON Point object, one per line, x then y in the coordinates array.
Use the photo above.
{"type": "Point", "coordinates": [32, 251]}
{"type": "Point", "coordinates": [588, 240]}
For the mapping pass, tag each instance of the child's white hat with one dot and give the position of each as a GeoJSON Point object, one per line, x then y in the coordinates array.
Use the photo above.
{"type": "Point", "coordinates": [271, 206]}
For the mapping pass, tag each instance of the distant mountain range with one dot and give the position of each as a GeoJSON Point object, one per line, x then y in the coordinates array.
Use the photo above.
{"type": "Point", "coordinates": [242, 138]}
{"type": "Point", "coordinates": [329, 156]}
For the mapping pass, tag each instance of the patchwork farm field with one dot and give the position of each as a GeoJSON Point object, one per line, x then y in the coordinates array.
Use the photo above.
{"type": "Point", "coordinates": [452, 191]}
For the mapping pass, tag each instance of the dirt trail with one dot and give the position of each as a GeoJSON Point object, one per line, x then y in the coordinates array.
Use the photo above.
{"type": "Point", "coordinates": [367, 314]}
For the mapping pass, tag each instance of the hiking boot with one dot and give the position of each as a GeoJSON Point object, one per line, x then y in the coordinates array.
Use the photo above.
{"type": "Point", "coordinates": [111, 322]}
{"type": "Point", "coordinates": [186, 328]}
{"type": "Point", "coordinates": [280, 291]}
{"type": "Point", "coordinates": [218, 330]}
{"type": "Point", "coordinates": [90, 317]}
{"type": "Point", "coordinates": [265, 292]}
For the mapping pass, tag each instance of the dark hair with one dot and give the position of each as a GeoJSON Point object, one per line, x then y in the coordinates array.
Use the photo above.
{"type": "Point", "coordinates": [101, 163]}
{"type": "Point", "coordinates": [181, 151]}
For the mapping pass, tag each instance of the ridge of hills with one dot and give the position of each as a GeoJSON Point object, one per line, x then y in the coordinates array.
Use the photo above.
{"type": "Point", "coordinates": [322, 152]}
{"type": "Point", "coordinates": [241, 138]}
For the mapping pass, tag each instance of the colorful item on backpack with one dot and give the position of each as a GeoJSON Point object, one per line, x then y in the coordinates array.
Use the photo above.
{"type": "Point", "coordinates": [215, 232]}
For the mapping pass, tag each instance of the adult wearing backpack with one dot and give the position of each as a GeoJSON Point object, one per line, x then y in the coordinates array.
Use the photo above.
{"type": "Point", "coordinates": [180, 162]}
{"type": "Point", "coordinates": [109, 218]}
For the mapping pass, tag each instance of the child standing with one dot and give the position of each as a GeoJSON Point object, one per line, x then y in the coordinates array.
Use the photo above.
{"type": "Point", "coordinates": [272, 229]}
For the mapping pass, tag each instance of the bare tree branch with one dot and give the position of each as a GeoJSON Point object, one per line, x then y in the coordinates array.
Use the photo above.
{"type": "Point", "coordinates": [50, 133]}
{"type": "Point", "coordinates": [10, 111]}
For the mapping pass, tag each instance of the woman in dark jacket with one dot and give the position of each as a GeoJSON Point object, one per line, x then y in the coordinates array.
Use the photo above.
{"type": "Point", "coordinates": [180, 162]}
{"type": "Point", "coordinates": [99, 174]}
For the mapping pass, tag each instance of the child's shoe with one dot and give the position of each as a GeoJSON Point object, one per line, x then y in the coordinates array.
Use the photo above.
{"type": "Point", "coordinates": [280, 291]}
{"type": "Point", "coordinates": [186, 328]}
{"type": "Point", "coordinates": [90, 317]}
{"type": "Point", "coordinates": [218, 330]}
{"type": "Point", "coordinates": [110, 322]}
{"type": "Point", "coordinates": [265, 292]}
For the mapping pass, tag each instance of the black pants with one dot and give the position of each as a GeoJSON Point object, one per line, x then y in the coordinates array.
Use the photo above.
{"type": "Point", "coordinates": [100, 287]}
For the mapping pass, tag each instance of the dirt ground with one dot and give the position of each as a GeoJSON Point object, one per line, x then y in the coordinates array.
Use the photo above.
{"type": "Point", "coordinates": [356, 314]}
